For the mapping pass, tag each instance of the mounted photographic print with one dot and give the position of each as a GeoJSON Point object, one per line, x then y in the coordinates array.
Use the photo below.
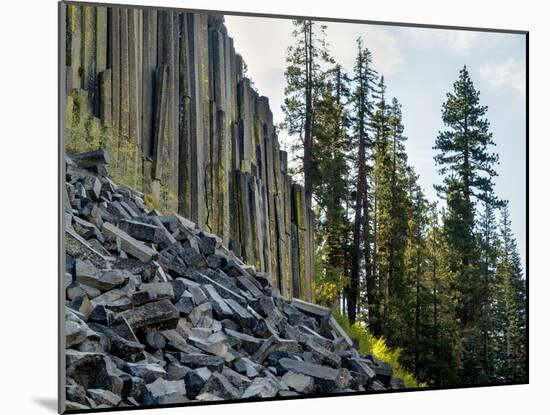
{"type": "Point", "coordinates": [258, 207]}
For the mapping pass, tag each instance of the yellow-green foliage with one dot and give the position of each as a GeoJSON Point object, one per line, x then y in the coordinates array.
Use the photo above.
{"type": "Point", "coordinates": [151, 201]}
{"type": "Point", "coordinates": [325, 292]}
{"type": "Point", "coordinates": [329, 281]}
{"type": "Point", "coordinates": [83, 132]}
{"type": "Point", "coordinates": [124, 168]}
{"type": "Point", "coordinates": [162, 203]}
{"type": "Point", "coordinates": [168, 200]}
{"type": "Point", "coordinates": [377, 347]}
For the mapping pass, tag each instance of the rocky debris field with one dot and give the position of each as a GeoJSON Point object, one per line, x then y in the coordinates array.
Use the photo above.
{"type": "Point", "coordinates": [159, 312]}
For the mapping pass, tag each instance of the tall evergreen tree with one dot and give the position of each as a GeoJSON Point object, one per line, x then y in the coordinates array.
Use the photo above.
{"type": "Point", "coordinates": [412, 295]}
{"type": "Point", "coordinates": [467, 164]}
{"type": "Point", "coordinates": [364, 78]}
{"type": "Point", "coordinates": [381, 176]}
{"type": "Point", "coordinates": [511, 302]}
{"type": "Point", "coordinates": [488, 248]}
{"type": "Point", "coordinates": [393, 181]}
{"type": "Point", "coordinates": [305, 78]}
{"type": "Point", "coordinates": [400, 209]}
{"type": "Point", "coordinates": [331, 146]}
{"type": "Point", "coordinates": [439, 368]}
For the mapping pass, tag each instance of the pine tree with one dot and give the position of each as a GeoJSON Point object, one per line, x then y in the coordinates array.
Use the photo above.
{"type": "Point", "coordinates": [304, 76]}
{"type": "Point", "coordinates": [364, 77]}
{"type": "Point", "coordinates": [331, 146]}
{"type": "Point", "coordinates": [465, 161]}
{"type": "Point", "coordinates": [401, 208]}
{"type": "Point", "coordinates": [412, 296]}
{"type": "Point", "coordinates": [393, 208]}
{"type": "Point", "coordinates": [381, 176]}
{"type": "Point", "coordinates": [488, 246]}
{"type": "Point", "coordinates": [439, 367]}
{"type": "Point", "coordinates": [511, 302]}
{"type": "Point", "coordinates": [468, 168]}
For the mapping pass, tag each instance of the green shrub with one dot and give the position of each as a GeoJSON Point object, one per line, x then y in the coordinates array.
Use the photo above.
{"type": "Point", "coordinates": [377, 347]}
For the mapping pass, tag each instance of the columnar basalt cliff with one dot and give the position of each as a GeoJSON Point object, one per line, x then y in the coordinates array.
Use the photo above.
{"type": "Point", "coordinates": [164, 91]}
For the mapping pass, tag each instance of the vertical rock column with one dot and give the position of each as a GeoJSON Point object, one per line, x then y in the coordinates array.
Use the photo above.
{"type": "Point", "coordinates": [220, 116]}
{"type": "Point", "coordinates": [164, 91]}
{"type": "Point", "coordinates": [184, 118]}
{"type": "Point", "coordinates": [199, 111]}
{"type": "Point", "coordinates": [148, 98]}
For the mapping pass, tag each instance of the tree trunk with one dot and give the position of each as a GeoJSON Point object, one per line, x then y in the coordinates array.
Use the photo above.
{"type": "Point", "coordinates": [308, 139]}
{"type": "Point", "coordinates": [417, 324]}
{"type": "Point", "coordinates": [435, 322]}
{"type": "Point", "coordinates": [359, 194]}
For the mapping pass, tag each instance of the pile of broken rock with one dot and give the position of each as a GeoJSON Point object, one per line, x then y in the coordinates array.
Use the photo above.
{"type": "Point", "coordinates": [159, 312]}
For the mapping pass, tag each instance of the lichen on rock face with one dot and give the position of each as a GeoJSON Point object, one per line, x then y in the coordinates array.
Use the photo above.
{"type": "Point", "coordinates": [83, 132]}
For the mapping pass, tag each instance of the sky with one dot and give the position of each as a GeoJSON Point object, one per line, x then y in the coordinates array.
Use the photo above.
{"type": "Point", "coordinates": [419, 67]}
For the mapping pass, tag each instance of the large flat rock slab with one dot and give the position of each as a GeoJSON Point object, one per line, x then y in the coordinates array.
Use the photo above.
{"type": "Point", "coordinates": [129, 244]}
{"type": "Point", "coordinates": [156, 314]}
{"type": "Point", "coordinates": [310, 308]}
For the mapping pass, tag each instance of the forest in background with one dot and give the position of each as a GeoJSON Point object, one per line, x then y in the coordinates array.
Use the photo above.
{"type": "Point", "coordinates": [444, 286]}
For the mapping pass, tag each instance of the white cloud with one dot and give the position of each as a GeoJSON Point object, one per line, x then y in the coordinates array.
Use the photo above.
{"type": "Point", "coordinates": [458, 41]}
{"type": "Point", "coordinates": [507, 74]}
{"type": "Point", "coordinates": [387, 56]}
{"type": "Point", "coordinates": [462, 40]}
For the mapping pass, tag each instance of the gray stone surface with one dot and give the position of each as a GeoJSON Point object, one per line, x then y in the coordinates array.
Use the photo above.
{"type": "Point", "coordinates": [149, 372]}
{"type": "Point", "coordinates": [274, 344]}
{"type": "Point", "coordinates": [149, 292]}
{"type": "Point", "coordinates": [261, 388]}
{"type": "Point", "coordinates": [310, 308]}
{"type": "Point", "coordinates": [130, 245]}
{"type": "Point", "coordinates": [218, 385]}
{"type": "Point", "coordinates": [299, 382]}
{"type": "Point", "coordinates": [195, 380]}
{"type": "Point", "coordinates": [141, 231]}
{"type": "Point", "coordinates": [157, 314]}
{"type": "Point", "coordinates": [103, 280]}
{"type": "Point", "coordinates": [164, 391]}
{"type": "Point", "coordinates": [220, 307]}
{"type": "Point", "coordinates": [195, 361]}
{"type": "Point", "coordinates": [248, 343]}
{"type": "Point", "coordinates": [247, 367]}
{"type": "Point", "coordinates": [104, 397]}
{"type": "Point", "coordinates": [339, 377]}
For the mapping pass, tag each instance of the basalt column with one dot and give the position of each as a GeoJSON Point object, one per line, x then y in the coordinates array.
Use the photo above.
{"type": "Point", "coordinates": [164, 91]}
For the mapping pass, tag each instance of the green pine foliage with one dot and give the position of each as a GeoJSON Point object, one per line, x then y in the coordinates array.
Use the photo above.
{"type": "Point", "coordinates": [331, 145]}
{"type": "Point", "coordinates": [393, 210]}
{"type": "Point", "coordinates": [436, 290]}
{"type": "Point", "coordinates": [511, 330]}
{"type": "Point", "coordinates": [305, 75]}
{"type": "Point", "coordinates": [361, 272]}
